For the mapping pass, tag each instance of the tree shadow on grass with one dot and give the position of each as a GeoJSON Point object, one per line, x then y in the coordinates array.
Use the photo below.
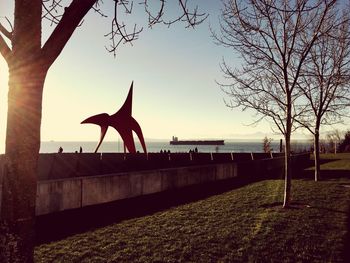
{"type": "Point", "coordinates": [301, 205]}
{"type": "Point", "coordinates": [60, 225]}
{"type": "Point", "coordinates": [279, 205]}
{"type": "Point", "coordinates": [326, 209]}
{"type": "Point", "coordinates": [334, 174]}
{"type": "Point", "coordinates": [311, 162]}
{"type": "Point", "coordinates": [326, 174]}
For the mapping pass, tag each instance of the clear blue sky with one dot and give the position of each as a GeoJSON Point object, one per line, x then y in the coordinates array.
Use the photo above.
{"type": "Point", "coordinates": [174, 71]}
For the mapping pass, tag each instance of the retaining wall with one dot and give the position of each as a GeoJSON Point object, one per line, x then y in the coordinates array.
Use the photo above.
{"type": "Point", "coordinates": [74, 192]}
{"type": "Point", "coordinates": [70, 165]}
{"type": "Point", "coordinates": [62, 194]}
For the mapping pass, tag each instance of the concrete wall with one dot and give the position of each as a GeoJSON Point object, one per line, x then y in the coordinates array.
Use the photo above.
{"type": "Point", "coordinates": [58, 195]}
{"type": "Point", "coordinates": [75, 192]}
{"type": "Point", "coordinates": [62, 194]}
{"type": "Point", "coordinates": [70, 165]}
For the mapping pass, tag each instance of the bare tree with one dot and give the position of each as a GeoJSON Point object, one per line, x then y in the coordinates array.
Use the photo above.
{"type": "Point", "coordinates": [29, 61]}
{"type": "Point", "coordinates": [344, 145]}
{"type": "Point", "coordinates": [325, 81]}
{"type": "Point", "coordinates": [267, 145]}
{"type": "Point", "coordinates": [273, 39]}
{"type": "Point", "coordinates": [333, 138]}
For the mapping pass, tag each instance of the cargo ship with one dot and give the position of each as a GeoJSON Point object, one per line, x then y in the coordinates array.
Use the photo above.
{"type": "Point", "coordinates": [176, 141]}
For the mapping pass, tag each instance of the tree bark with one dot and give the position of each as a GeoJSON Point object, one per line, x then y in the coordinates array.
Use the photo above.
{"type": "Point", "coordinates": [26, 79]}
{"type": "Point", "coordinates": [28, 65]}
{"type": "Point", "coordinates": [317, 154]}
{"type": "Point", "coordinates": [287, 173]}
{"type": "Point", "coordinates": [20, 166]}
{"type": "Point", "coordinates": [287, 160]}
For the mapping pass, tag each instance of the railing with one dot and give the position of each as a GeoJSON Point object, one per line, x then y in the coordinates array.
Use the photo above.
{"type": "Point", "coordinates": [68, 165]}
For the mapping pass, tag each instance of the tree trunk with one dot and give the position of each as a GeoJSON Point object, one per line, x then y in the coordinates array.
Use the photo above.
{"type": "Point", "coordinates": [20, 166]}
{"type": "Point", "coordinates": [287, 173]}
{"type": "Point", "coordinates": [317, 154]}
{"type": "Point", "coordinates": [287, 159]}
{"type": "Point", "coordinates": [26, 79]}
{"type": "Point", "coordinates": [281, 145]}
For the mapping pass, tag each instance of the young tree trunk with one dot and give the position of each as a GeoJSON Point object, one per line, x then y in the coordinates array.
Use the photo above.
{"type": "Point", "coordinates": [317, 154]}
{"type": "Point", "coordinates": [288, 173]}
{"type": "Point", "coordinates": [287, 160]}
{"type": "Point", "coordinates": [17, 216]}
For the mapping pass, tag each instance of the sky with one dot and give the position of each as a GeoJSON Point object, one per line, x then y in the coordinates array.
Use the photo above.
{"type": "Point", "coordinates": [174, 72]}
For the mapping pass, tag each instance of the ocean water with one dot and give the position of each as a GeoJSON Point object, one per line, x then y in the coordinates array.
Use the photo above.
{"type": "Point", "coordinates": [233, 146]}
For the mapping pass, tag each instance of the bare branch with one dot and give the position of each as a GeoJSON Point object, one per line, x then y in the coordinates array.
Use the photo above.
{"type": "Point", "coordinates": [70, 20]}
{"type": "Point", "coordinates": [4, 49]}
{"type": "Point", "coordinates": [119, 33]}
{"type": "Point", "coordinates": [5, 32]}
{"type": "Point", "coordinates": [191, 18]}
{"type": "Point", "coordinates": [274, 40]}
{"type": "Point", "coordinates": [52, 11]}
{"type": "Point", "coordinates": [325, 82]}
{"type": "Point", "coordinates": [156, 18]}
{"type": "Point", "coordinates": [97, 9]}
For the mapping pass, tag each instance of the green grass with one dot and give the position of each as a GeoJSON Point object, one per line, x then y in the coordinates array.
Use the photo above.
{"type": "Point", "coordinates": [245, 224]}
{"type": "Point", "coordinates": [336, 165]}
{"type": "Point", "coordinates": [335, 156]}
{"type": "Point", "coordinates": [339, 161]}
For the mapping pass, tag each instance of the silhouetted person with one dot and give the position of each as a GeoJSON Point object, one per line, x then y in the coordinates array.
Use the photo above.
{"type": "Point", "coordinates": [60, 150]}
{"type": "Point", "coordinates": [169, 151]}
{"type": "Point", "coordinates": [80, 149]}
{"type": "Point", "coordinates": [161, 151]}
{"type": "Point", "coordinates": [196, 150]}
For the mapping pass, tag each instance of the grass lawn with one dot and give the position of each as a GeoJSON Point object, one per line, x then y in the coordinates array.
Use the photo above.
{"type": "Point", "coordinates": [245, 224]}
{"type": "Point", "coordinates": [341, 162]}
{"type": "Point", "coordinates": [331, 161]}
{"type": "Point", "coordinates": [335, 156]}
